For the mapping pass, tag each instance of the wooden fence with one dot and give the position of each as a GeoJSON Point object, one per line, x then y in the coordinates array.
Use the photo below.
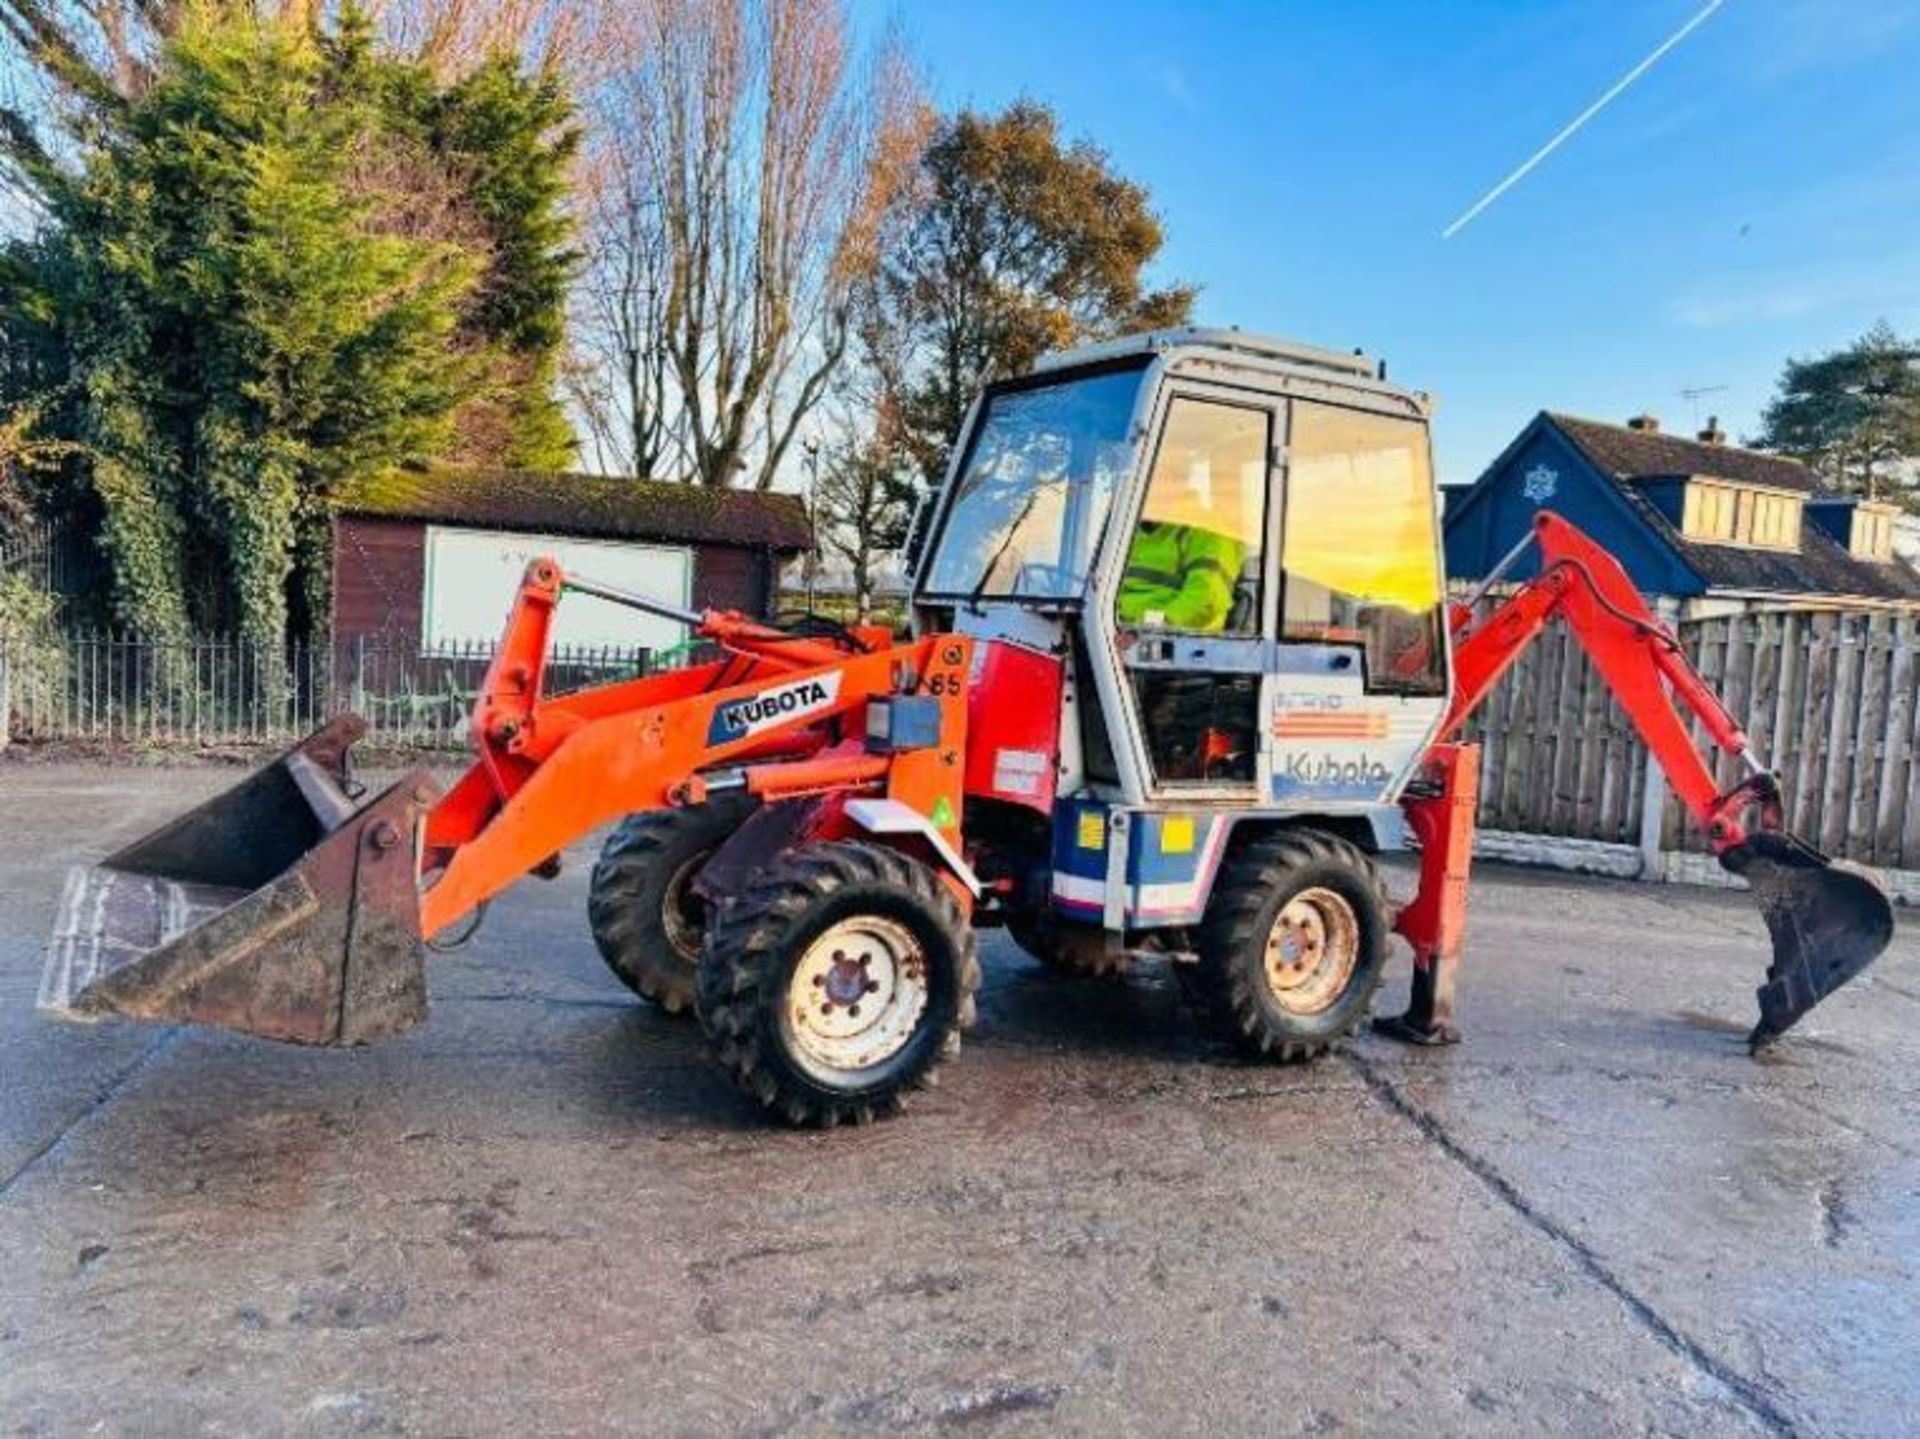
{"type": "Point", "coordinates": [1830, 700]}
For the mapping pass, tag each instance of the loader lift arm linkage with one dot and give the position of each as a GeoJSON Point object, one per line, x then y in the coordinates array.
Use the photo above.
{"type": "Point", "coordinates": [312, 930]}
{"type": "Point", "coordinates": [1827, 924]}
{"type": "Point", "coordinates": [549, 770]}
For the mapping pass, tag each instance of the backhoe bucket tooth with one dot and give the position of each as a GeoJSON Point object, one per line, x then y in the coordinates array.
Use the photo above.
{"type": "Point", "coordinates": [1827, 923]}
{"type": "Point", "coordinates": [280, 908]}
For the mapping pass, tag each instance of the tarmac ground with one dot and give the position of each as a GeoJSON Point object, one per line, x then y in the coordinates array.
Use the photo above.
{"type": "Point", "coordinates": [548, 1210]}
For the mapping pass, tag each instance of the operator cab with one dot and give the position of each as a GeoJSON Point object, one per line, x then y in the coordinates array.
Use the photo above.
{"type": "Point", "coordinates": [1231, 544]}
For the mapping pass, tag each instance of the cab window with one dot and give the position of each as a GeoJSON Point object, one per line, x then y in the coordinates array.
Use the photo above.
{"type": "Point", "coordinates": [1194, 563]}
{"type": "Point", "coordinates": [1360, 554]}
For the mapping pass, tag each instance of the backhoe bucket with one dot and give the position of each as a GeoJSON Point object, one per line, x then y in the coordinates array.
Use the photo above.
{"type": "Point", "coordinates": [1827, 923]}
{"type": "Point", "coordinates": [280, 908]}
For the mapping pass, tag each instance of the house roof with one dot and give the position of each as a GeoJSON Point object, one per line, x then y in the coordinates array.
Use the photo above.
{"type": "Point", "coordinates": [595, 506]}
{"type": "Point", "coordinates": [1820, 566]}
{"type": "Point", "coordinates": [1629, 454]}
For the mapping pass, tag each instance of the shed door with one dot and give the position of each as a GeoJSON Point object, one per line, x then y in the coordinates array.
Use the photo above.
{"type": "Point", "coordinates": [472, 575]}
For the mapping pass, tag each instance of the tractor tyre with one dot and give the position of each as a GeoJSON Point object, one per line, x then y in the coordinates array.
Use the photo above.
{"type": "Point", "coordinates": [1058, 949]}
{"type": "Point", "coordinates": [841, 979]}
{"type": "Point", "coordinates": [647, 918]}
{"type": "Point", "coordinates": [1293, 945]}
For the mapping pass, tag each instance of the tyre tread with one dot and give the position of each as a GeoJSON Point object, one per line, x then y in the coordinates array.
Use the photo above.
{"type": "Point", "coordinates": [1223, 989]}
{"type": "Point", "coordinates": [628, 936]}
{"type": "Point", "coordinates": [744, 960]}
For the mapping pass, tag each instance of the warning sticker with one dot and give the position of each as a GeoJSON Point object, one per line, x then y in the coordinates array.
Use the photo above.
{"type": "Point", "coordinates": [1093, 829]}
{"type": "Point", "coordinates": [1019, 771]}
{"type": "Point", "coordinates": [1176, 834]}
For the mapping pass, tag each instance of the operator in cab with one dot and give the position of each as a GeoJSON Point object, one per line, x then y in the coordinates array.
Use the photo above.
{"type": "Point", "coordinates": [1180, 577]}
{"type": "Point", "coordinates": [1190, 548]}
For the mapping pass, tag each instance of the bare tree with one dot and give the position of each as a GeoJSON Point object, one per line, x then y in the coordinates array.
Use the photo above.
{"type": "Point", "coordinates": [751, 166]}
{"type": "Point", "coordinates": [452, 37]}
{"type": "Point", "coordinates": [862, 501]}
{"type": "Point", "coordinates": [620, 380]}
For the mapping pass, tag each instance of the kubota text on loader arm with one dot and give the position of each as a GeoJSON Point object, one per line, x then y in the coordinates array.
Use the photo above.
{"type": "Point", "coordinates": [813, 824]}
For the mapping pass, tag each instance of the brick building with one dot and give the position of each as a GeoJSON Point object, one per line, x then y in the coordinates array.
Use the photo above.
{"type": "Point", "coordinates": [430, 557]}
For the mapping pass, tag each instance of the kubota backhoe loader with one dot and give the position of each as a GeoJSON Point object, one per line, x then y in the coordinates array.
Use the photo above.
{"type": "Point", "coordinates": [1182, 665]}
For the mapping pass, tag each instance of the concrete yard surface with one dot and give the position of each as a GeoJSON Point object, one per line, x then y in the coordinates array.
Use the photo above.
{"type": "Point", "coordinates": [547, 1210]}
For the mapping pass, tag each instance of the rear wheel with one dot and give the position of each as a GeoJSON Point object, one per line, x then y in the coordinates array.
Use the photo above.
{"type": "Point", "coordinates": [1293, 946]}
{"type": "Point", "coordinates": [840, 980]}
{"type": "Point", "coordinates": [648, 919]}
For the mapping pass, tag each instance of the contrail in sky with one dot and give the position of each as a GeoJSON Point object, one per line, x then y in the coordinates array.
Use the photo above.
{"type": "Point", "coordinates": [1585, 115]}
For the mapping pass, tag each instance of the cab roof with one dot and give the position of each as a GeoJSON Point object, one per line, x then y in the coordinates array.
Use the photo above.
{"type": "Point", "coordinates": [1193, 348]}
{"type": "Point", "coordinates": [1230, 342]}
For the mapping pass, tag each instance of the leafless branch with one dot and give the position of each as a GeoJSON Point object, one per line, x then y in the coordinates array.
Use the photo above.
{"type": "Point", "coordinates": [747, 163]}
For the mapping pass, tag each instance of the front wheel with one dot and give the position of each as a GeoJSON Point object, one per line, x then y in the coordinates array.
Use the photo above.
{"type": "Point", "coordinates": [838, 982]}
{"type": "Point", "coordinates": [1293, 946]}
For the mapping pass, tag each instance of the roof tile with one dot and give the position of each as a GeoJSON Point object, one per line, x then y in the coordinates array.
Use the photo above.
{"type": "Point", "coordinates": [1821, 566]}
{"type": "Point", "coordinates": [582, 504]}
{"type": "Point", "coordinates": [1629, 454]}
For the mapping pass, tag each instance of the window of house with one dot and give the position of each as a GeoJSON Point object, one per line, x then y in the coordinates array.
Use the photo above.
{"type": "Point", "coordinates": [1712, 513]}
{"type": "Point", "coordinates": [1737, 515]}
{"type": "Point", "coordinates": [1872, 533]}
{"type": "Point", "coordinates": [1776, 522]}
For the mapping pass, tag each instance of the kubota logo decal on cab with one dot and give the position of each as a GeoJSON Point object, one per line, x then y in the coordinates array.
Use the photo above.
{"type": "Point", "coordinates": [1329, 776]}
{"type": "Point", "coordinates": [737, 719]}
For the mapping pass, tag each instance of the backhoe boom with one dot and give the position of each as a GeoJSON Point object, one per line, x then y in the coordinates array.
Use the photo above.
{"type": "Point", "coordinates": [1827, 924]}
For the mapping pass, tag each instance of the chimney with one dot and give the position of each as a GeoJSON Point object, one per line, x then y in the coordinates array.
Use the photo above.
{"type": "Point", "coordinates": [1713, 434]}
{"type": "Point", "coordinates": [1645, 423]}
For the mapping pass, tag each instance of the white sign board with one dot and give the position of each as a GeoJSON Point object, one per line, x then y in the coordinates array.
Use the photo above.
{"type": "Point", "coordinates": [472, 576]}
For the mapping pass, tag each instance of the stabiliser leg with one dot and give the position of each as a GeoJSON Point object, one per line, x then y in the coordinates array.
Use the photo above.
{"type": "Point", "coordinates": [1440, 810]}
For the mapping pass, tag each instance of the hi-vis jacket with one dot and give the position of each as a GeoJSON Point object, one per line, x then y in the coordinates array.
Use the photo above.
{"type": "Point", "coordinates": [1179, 576]}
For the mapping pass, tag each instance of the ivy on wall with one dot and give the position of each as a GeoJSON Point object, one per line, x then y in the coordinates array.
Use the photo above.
{"type": "Point", "coordinates": [291, 259]}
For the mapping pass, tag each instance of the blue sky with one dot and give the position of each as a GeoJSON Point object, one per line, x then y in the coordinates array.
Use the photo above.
{"type": "Point", "coordinates": [1755, 195]}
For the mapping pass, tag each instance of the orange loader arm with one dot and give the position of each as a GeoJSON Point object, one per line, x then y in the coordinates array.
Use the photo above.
{"type": "Point", "coordinates": [294, 907]}
{"type": "Point", "coordinates": [1827, 924]}
{"type": "Point", "coordinates": [778, 715]}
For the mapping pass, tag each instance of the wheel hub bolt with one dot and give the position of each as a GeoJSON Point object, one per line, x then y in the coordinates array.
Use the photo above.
{"type": "Point", "coordinates": [848, 978]}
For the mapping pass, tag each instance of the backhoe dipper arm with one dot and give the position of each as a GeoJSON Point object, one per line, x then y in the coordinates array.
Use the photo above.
{"type": "Point", "coordinates": [1827, 924]}
{"type": "Point", "coordinates": [1638, 656]}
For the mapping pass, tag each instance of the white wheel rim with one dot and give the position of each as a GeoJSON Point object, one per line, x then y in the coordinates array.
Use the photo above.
{"type": "Point", "coordinates": [1312, 951]}
{"type": "Point", "coordinates": [856, 996]}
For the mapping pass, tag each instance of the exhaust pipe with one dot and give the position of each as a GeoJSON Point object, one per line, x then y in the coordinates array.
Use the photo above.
{"type": "Point", "coordinates": [1828, 924]}
{"type": "Point", "coordinates": [281, 908]}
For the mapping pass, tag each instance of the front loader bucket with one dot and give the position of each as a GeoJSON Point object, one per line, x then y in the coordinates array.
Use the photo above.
{"type": "Point", "coordinates": [1827, 923]}
{"type": "Point", "coordinates": [280, 908]}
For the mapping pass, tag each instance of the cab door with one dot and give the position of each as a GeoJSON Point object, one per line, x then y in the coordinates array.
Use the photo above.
{"type": "Point", "coordinates": [1194, 610]}
{"type": "Point", "coordinates": [1360, 673]}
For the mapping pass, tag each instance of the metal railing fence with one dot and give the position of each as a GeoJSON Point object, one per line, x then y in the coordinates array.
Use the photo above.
{"type": "Point", "coordinates": [93, 686]}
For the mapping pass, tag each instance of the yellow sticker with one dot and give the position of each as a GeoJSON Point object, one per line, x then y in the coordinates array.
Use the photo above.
{"type": "Point", "coordinates": [1093, 829]}
{"type": "Point", "coordinates": [1176, 834]}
